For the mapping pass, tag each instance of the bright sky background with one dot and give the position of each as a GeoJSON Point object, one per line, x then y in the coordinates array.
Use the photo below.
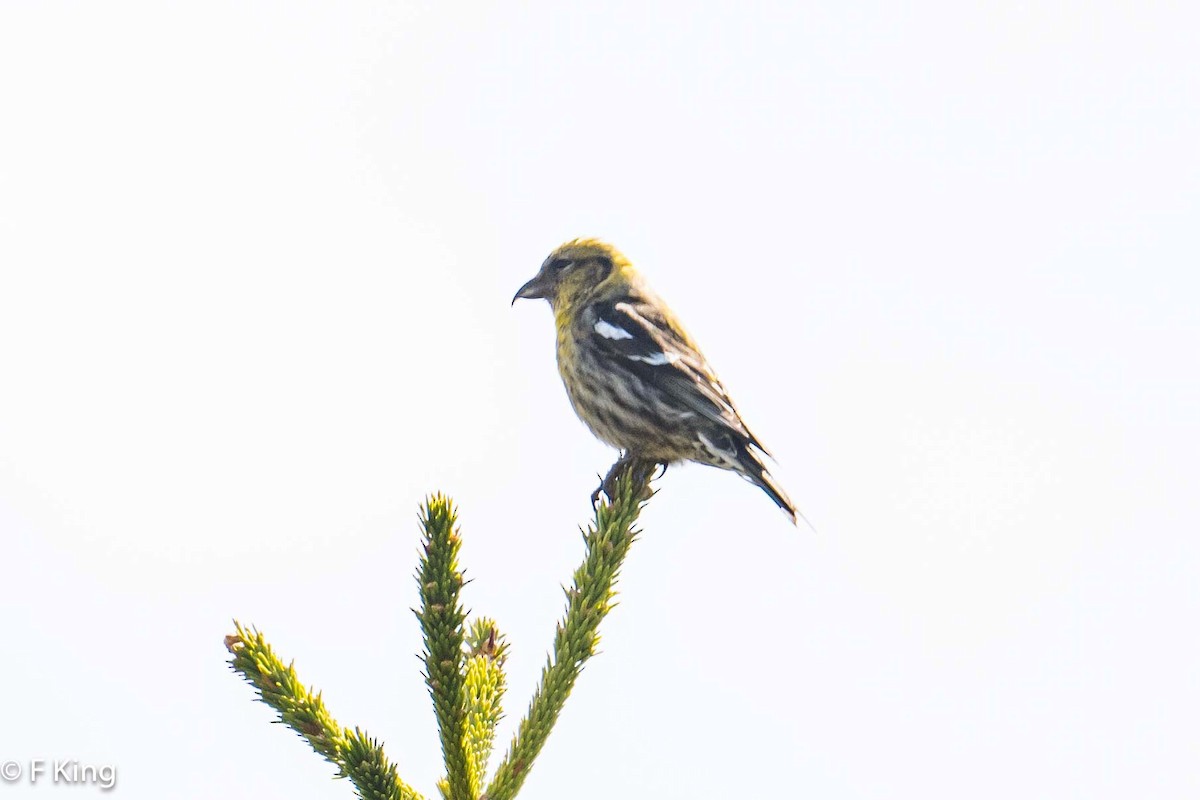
{"type": "Point", "coordinates": [255, 269]}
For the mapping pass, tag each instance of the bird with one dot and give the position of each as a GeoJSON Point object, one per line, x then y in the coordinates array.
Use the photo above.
{"type": "Point", "coordinates": [634, 376]}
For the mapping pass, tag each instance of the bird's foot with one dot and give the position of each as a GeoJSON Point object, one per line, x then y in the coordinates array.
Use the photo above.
{"type": "Point", "coordinates": [609, 482]}
{"type": "Point", "coordinates": [596, 494]}
{"type": "Point", "coordinates": [641, 472]}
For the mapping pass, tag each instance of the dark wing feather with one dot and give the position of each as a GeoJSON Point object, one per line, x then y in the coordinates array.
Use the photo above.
{"type": "Point", "coordinates": [641, 340]}
{"type": "Point", "coordinates": [638, 338]}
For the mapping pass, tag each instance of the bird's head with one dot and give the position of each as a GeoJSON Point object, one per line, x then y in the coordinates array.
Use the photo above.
{"type": "Point", "coordinates": [572, 271]}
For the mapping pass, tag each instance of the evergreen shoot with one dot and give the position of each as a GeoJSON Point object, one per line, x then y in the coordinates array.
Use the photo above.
{"type": "Point", "coordinates": [464, 663]}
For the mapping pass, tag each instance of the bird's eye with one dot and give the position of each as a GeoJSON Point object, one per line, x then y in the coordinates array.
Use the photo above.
{"type": "Point", "coordinates": [559, 264]}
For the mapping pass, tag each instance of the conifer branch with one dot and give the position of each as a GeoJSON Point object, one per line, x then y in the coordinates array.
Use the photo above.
{"type": "Point", "coordinates": [484, 693]}
{"type": "Point", "coordinates": [372, 774]}
{"type": "Point", "coordinates": [589, 599]}
{"type": "Point", "coordinates": [356, 756]}
{"type": "Point", "coordinates": [441, 617]}
{"type": "Point", "coordinates": [465, 670]}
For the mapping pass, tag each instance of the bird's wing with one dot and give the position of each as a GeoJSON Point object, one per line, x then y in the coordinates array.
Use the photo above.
{"type": "Point", "coordinates": [640, 339]}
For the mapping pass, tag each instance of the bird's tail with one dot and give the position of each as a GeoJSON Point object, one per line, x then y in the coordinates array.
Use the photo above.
{"type": "Point", "coordinates": [754, 470]}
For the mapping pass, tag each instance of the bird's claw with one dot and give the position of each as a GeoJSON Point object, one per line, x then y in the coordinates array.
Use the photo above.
{"type": "Point", "coordinates": [608, 484]}
{"type": "Point", "coordinates": [641, 471]}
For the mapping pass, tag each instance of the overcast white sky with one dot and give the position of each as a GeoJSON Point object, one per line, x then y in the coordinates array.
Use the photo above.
{"type": "Point", "coordinates": [255, 269]}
